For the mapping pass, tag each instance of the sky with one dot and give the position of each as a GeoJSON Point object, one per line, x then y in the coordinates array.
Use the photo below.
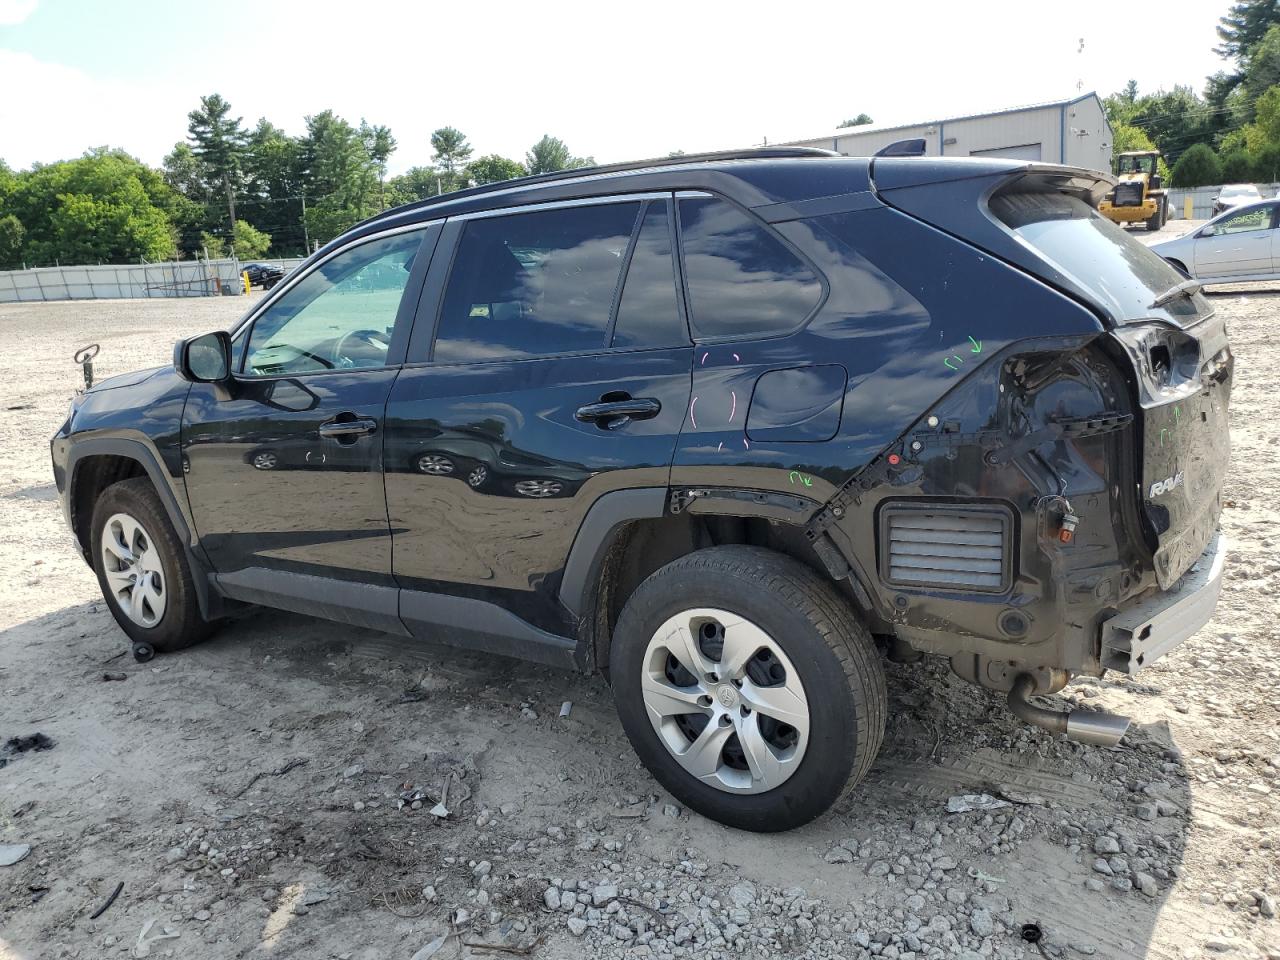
{"type": "Point", "coordinates": [615, 81]}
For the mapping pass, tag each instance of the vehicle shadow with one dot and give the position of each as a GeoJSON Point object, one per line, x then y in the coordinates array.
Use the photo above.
{"type": "Point", "coordinates": [180, 734]}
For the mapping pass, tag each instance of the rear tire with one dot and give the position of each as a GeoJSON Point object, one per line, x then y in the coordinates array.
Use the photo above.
{"type": "Point", "coordinates": [142, 568]}
{"type": "Point", "coordinates": [808, 660]}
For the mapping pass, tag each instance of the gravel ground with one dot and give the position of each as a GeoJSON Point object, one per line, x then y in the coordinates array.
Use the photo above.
{"type": "Point", "coordinates": [268, 794]}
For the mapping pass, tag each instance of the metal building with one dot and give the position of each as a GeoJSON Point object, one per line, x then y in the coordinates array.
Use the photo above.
{"type": "Point", "coordinates": [1073, 132]}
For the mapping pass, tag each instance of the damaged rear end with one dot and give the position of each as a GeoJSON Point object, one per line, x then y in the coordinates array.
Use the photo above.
{"type": "Point", "coordinates": [1056, 513]}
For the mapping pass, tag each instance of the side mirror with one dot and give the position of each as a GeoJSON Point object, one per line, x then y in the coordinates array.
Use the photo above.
{"type": "Point", "coordinates": [204, 359]}
{"type": "Point", "coordinates": [1205, 232]}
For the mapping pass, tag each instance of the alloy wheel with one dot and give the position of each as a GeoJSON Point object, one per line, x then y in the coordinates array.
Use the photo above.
{"type": "Point", "coordinates": [133, 571]}
{"type": "Point", "coordinates": [435, 464]}
{"type": "Point", "coordinates": [538, 488]}
{"type": "Point", "coordinates": [266, 461]}
{"type": "Point", "coordinates": [725, 700]}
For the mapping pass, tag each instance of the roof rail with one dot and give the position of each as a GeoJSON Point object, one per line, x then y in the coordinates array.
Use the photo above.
{"type": "Point", "coordinates": [756, 153]}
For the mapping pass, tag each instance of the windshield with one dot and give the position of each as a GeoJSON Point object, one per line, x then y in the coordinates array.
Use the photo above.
{"type": "Point", "coordinates": [1122, 274]}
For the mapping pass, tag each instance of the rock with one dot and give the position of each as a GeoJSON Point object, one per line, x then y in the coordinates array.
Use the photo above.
{"type": "Point", "coordinates": [11, 853]}
{"type": "Point", "coordinates": [577, 926]}
{"type": "Point", "coordinates": [1096, 885]}
{"type": "Point", "coordinates": [743, 894]}
{"type": "Point", "coordinates": [202, 915]}
{"type": "Point", "coordinates": [981, 924]}
{"type": "Point", "coordinates": [352, 771]}
{"type": "Point", "coordinates": [1105, 844]}
{"type": "Point", "coordinates": [1267, 905]}
{"type": "Point", "coordinates": [551, 898]}
{"type": "Point", "coordinates": [965, 803]}
{"type": "Point", "coordinates": [838, 855]}
{"type": "Point", "coordinates": [670, 810]}
{"type": "Point", "coordinates": [1166, 808]}
{"type": "Point", "coordinates": [1101, 866]}
{"type": "Point", "coordinates": [1220, 944]}
{"type": "Point", "coordinates": [482, 869]}
{"type": "Point", "coordinates": [432, 948]}
{"type": "Point", "coordinates": [1146, 883]}
{"type": "Point", "coordinates": [1146, 811]}
{"type": "Point", "coordinates": [620, 931]}
{"type": "Point", "coordinates": [358, 805]}
{"type": "Point", "coordinates": [603, 894]}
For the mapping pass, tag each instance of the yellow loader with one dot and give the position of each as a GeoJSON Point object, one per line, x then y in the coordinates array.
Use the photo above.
{"type": "Point", "coordinates": [1138, 196]}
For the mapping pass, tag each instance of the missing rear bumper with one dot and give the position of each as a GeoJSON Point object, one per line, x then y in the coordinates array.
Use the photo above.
{"type": "Point", "coordinates": [1139, 635]}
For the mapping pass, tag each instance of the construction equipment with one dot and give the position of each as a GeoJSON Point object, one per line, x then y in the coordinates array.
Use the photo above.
{"type": "Point", "coordinates": [1138, 197]}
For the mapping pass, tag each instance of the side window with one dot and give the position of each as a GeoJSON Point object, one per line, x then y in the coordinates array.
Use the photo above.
{"type": "Point", "coordinates": [534, 284]}
{"type": "Point", "coordinates": [649, 311]}
{"type": "Point", "coordinates": [742, 280]}
{"type": "Point", "coordinates": [1257, 218]}
{"type": "Point", "coordinates": [339, 316]}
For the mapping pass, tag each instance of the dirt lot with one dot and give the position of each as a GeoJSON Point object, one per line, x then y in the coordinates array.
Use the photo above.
{"type": "Point", "coordinates": [247, 793]}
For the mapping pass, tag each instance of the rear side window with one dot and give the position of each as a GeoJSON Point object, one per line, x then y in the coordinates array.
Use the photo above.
{"type": "Point", "coordinates": [742, 280]}
{"type": "Point", "coordinates": [534, 284]}
{"type": "Point", "coordinates": [649, 312]}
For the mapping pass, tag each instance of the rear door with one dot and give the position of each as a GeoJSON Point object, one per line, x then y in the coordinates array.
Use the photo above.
{"type": "Point", "coordinates": [1238, 245]}
{"type": "Point", "coordinates": [550, 364]}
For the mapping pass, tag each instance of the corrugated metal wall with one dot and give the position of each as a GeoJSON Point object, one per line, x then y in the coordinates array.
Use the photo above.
{"type": "Point", "coordinates": [189, 278]}
{"type": "Point", "coordinates": [1202, 199]}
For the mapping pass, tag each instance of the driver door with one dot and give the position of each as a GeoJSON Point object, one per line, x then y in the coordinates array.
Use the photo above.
{"type": "Point", "coordinates": [1238, 245]}
{"type": "Point", "coordinates": [284, 474]}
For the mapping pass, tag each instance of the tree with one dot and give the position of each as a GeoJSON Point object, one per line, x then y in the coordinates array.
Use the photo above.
{"type": "Point", "coordinates": [1174, 120]}
{"type": "Point", "coordinates": [860, 120]}
{"type": "Point", "coordinates": [249, 243]}
{"type": "Point", "coordinates": [1243, 27]}
{"type": "Point", "coordinates": [11, 239]}
{"type": "Point", "coordinates": [416, 183]}
{"type": "Point", "coordinates": [493, 169]}
{"type": "Point", "coordinates": [1237, 167]}
{"type": "Point", "coordinates": [340, 175]}
{"type": "Point", "coordinates": [1197, 167]}
{"type": "Point", "coordinates": [451, 149]}
{"type": "Point", "coordinates": [1263, 69]}
{"type": "Point", "coordinates": [104, 206]}
{"type": "Point", "coordinates": [550, 154]}
{"type": "Point", "coordinates": [379, 144]}
{"type": "Point", "coordinates": [274, 186]}
{"type": "Point", "coordinates": [218, 141]}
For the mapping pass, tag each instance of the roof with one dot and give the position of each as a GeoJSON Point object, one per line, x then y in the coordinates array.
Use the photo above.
{"type": "Point", "coordinates": [886, 128]}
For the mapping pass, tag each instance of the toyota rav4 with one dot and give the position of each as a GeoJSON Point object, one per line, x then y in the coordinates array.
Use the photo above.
{"type": "Point", "coordinates": [727, 429]}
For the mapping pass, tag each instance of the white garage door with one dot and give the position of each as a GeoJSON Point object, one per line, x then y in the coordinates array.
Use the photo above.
{"type": "Point", "coordinates": [1027, 151]}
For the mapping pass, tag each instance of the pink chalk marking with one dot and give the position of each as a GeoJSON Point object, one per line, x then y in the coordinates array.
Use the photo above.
{"type": "Point", "coordinates": [734, 408]}
{"type": "Point", "coordinates": [737, 358]}
{"type": "Point", "coordinates": [691, 416]}
{"type": "Point", "coordinates": [704, 357]}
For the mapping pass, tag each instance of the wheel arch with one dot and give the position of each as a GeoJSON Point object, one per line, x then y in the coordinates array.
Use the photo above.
{"type": "Point", "coordinates": [629, 534]}
{"type": "Point", "coordinates": [96, 463]}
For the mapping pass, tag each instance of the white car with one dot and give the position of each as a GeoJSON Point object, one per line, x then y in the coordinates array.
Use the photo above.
{"type": "Point", "coordinates": [1235, 195]}
{"type": "Point", "coordinates": [1240, 244]}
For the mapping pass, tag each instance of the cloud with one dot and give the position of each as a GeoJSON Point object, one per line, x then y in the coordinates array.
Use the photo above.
{"type": "Point", "coordinates": [13, 12]}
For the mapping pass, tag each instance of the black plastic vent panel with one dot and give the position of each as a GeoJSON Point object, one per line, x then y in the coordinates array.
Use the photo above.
{"type": "Point", "coordinates": [946, 547]}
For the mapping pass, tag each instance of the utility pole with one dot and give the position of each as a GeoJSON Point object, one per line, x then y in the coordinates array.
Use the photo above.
{"type": "Point", "coordinates": [306, 240]}
{"type": "Point", "coordinates": [231, 209]}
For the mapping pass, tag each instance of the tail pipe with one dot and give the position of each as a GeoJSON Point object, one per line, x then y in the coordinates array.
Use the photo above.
{"type": "Point", "coordinates": [1101, 729]}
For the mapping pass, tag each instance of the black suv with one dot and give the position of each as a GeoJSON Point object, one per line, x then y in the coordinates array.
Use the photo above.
{"type": "Point", "coordinates": [727, 429]}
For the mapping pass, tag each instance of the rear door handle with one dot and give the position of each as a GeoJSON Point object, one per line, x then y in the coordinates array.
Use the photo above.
{"type": "Point", "coordinates": [354, 427]}
{"type": "Point", "coordinates": [613, 414]}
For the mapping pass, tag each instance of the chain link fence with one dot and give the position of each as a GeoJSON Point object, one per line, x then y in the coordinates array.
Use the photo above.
{"type": "Point", "coordinates": [186, 278]}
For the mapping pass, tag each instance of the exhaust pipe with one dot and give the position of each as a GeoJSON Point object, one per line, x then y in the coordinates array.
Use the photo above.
{"type": "Point", "coordinates": [1101, 729]}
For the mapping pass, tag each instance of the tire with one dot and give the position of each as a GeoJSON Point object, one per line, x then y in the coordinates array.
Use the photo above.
{"type": "Point", "coordinates": [810, 634]}
{"type": "Point", "coordinates": [169, 618]}
{"type": "Point", "coordinates": [1156, 220]}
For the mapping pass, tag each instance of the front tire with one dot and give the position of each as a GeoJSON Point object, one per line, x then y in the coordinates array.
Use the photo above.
{"type": "Point", "coordinates": [748, 687]}
{"type": "Point", "coordinates": [142, 568]}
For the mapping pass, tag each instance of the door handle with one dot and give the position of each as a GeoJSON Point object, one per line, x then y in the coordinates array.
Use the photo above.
{"type": "Point", "coordinates": [614, 414]}
{"type": "Point", "coordinates": [354, 427]}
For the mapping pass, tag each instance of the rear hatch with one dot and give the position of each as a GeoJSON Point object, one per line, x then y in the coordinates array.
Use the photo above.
{"type": "Point", "coordinates": [1044, 219]}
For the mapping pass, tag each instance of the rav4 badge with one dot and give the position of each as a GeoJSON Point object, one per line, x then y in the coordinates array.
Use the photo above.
{"type": "Point", "coordinates": [1164, 486]}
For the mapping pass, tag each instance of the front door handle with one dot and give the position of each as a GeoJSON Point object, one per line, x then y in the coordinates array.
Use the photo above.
{"type": "Point", "coordinates": [614, 414]}
{"type": "Point", "coordinates": [351, 427]}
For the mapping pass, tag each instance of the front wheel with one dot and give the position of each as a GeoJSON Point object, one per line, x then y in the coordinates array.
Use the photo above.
{"type": "Point", "coordinates": [748, 687]}
{"type": "Point", "coordinates": [143, 570]}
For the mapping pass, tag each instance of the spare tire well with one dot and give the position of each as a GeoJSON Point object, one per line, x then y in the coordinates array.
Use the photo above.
{"type": "Point", "coordinates": [93, 474]}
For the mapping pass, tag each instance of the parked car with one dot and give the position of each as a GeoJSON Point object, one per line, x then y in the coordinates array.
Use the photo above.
{"type": "Point", "coordinates": [1235, 195]}
{"type": "Point", "coordinates": [807, 411]}
{"type": "Point", "coordinates": [264, 275]}
{"type": "Point", "coordinates": [1241, 244]}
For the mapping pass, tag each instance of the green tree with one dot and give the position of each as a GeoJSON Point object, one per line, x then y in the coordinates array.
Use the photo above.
{"type": "Point", "coordinates": [274, 186]}
{"type": "Point", "coordinates": [860, 120]}
{"type": "Point", "coordinates": [1175, 120]}
{"type": "Point", "coordinates": [451, 149]}
{"type": "Point", "coordinates": [218, 140]}
{"type": "Point", "coordinates": [1237, 167]}
{"type": "Point", "coordinates": [12, 234]}
{"type": "Point", "coordinates": [212, 245]}
{"type": "Point", "coordinates": [550, 154]}
{"type": "Point", "coordinates": [416, 183]}
{"type": "Point", "coordinates": [493, 169]}
{"type": "Point", "coordinates": [1263, 69]}
{"type": "Point", "coordinates": [379, 144]}
{"type": "Point", "coordinates": [1197, 167]}
{"type": "Point", "coordinates": [250, 242]}
{"type": "Point", "coordinates": [105, 206]}
{"type": "Point", "coordinates": [1243, 27]}
{"type": "Point", "coordinates": [341, 176]}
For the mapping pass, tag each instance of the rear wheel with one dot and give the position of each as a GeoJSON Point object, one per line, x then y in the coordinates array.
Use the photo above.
{"type": "Point", "coordinates": [1157, 219]}
{"type": "Point", "coordinates": [143, 570]}
{"type": "Point", "coordinates": [748, 687]}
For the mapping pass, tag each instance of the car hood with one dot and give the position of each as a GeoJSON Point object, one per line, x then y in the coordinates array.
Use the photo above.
{"type": "Point", "coordinates": [127, 379]}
